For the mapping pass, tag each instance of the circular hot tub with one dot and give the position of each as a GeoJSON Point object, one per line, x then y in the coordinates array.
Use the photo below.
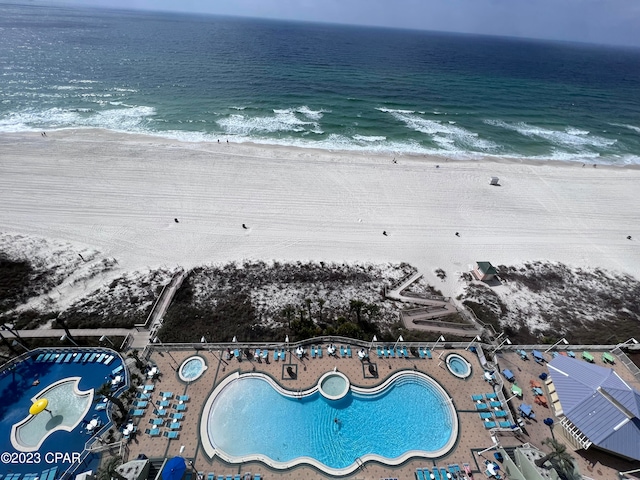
{"type": "Point", "coordinates": [458, 365]}
{"type": "Point", "coordinates": [192, 369]}
{"type": "Point", "coordinates": [333, 385]}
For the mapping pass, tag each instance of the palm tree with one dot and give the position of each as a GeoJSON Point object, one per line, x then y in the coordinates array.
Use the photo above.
{"type": "Point", "coordinates": [63, 324]}
{"type": "Point", "coordinates": [321, 302]}
{"type": "Point", "coordinates": [105, 391]}
{"type": "Point", "coordinates": [559, 458]}
{"type": "Point", "coordinates": [356, 306]}
{"type": "Point", "coordinates": [288, 312]}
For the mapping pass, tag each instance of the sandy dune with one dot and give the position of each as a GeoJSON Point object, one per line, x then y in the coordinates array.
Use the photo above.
{"type": "Point", "coordinates": [120, 194]}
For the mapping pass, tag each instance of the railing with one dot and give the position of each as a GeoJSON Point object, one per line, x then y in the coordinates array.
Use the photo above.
{"type": "Point", "coordinates": [626, 361]}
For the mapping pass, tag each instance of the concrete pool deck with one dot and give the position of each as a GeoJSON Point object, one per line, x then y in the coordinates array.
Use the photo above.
{"type": "Point", "coordinates": [473, 436]}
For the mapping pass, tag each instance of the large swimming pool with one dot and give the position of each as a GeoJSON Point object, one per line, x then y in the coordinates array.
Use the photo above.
{"type": "Point", "coordinates": [251, 417]}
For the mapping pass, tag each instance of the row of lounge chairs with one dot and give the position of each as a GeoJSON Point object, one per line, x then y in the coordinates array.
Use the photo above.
{"type": "Point", "coordinates": [75, 357]}
{"type": "Point", "coordinates": [390, 352]}
{"type": "Point", "coordinates": [48, 474]}
{"type": "Point", "coordinates": [481, 396]}
{"type": "Point", "coordinates": [246, 476]}
{"type": "Point", "coordinates": [435, 473]}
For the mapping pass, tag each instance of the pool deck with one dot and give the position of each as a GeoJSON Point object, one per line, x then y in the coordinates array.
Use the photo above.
{"type": "Point", "coordinates": [473, 436]}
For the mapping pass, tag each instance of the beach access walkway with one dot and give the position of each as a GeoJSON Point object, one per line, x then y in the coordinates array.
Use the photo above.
{"type": "Point", "coordinates": [424, 317]}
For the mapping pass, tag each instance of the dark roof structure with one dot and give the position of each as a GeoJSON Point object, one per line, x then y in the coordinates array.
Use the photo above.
{"type": "Point", "coordinates": [487, 268]}
{"type": "Point", "coordinates": [605, 408]}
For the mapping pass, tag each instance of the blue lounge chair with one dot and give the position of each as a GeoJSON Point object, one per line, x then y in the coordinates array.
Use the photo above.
{"type": "Point", "coordinates": [237, 477]}
{"type": "Point", "coordinates": [504, 424]}
{"type": "Point", "coordinates": [484, 415]}
{"type": "Point", "coordinates": [156, 421]}
{"type": "Point", "coordinates": [500, 414]}
{"type": "Point", "coordinates": [265, 354]}
{"type": "Point", "coordinates": [211, 476]}
{"type": "Point", "coordinates": [443, 473]}
{"type": "Point", "coordinates": [77, 358]}
{"type": "Point", "coordinates": [172, 435]}
{"type": "Point", "coordinates": [174, 426]}
{"type": "Point", "coordinates": [229, 477]}
{"type": "Point", "coordinates": [436, 474]}
{"type": "Point", "coordinates": [571, 354]}
{"type": "Point", "coordinates": [319, 352]}
{"type": "Point", "coordinates": [92, 357]}
{"type": "Point", "coordinates": [405, 352]}
{"type": "Point", "coordinates": [117, 370]}
{"type": "Point", "coordinates": [46, 357]}
{"type": "Point", "coordinates": [109, 359]}
{"type": "Point", "coordinates": [379, 351]}
{"type": "Point", "coordinates": [40, 357]}
{"type": "Point", "coordinates": [163, 403]}
{"type": "Point", "coordinates": [343, 352]}
{"type": "Point", "coordinates": [257, 476]}
{"type": "Point", "coordinates": [67, 359]}
{"type": "Point", "coordinates": [392, 352]}
{"type": "Point", "coordinates": [183, 398]}
{"type": "Point", "coordinates": [154, 432]}
{"type": "Point", "coordinates": [100, 407]}
{"type": "Point", "coordinates": [490, 396]}
{"type": "Point", "coordinates": [236, 353]}
{"type": "Point", "coordinates": [100, 358]}
{"type": "Point", "coordinates": [283, 355]}
{"type": "Point", "coordinates": [85, 357]}
{"type": "Point", "coordinates": [180, 407]}
{"type": "Point", "coordinates": [141, 404]}
{"type": "Point", "coordinates": [166, 395]}
{"type": "Point", "coordinates": [494, 404]}
{"type": "Point", "coordinates": [427, 352]}
{"type": "Point", "coordinates": [160, 412]}
{"type": "Point", "coordinates": [420, 352]}
{"type": "Point", "coordinates": [276, 355]}
{"type": "Point", "coordinates": [143, 396]}
{"type": "Point", "coordinates": [149, 388]}
{"type": "Point", "coordinates": [313, 351]}
{"type": "Point", "coordinates": [137, 413]}
{"type": "Point", "coordinates": [420, 474]}
{"type": "Point", "coordinates": [59, 358]}
{"type": "Point", "coordinates": [177, 416]}
{"type": "Point", "coordinates": [348, 351]}
{"type": "Point", "coordinates": [475, 398]}
{"type": "Point", "coordinates": [489, 425]}
{"type": "Point", "coordinates": [452, 471]}
{"type": "Point", "coordinates": [481, 406]}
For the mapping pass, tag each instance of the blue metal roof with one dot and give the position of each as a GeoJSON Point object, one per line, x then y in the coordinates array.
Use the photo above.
{"type": "Point", "coordinates": [596, 400]}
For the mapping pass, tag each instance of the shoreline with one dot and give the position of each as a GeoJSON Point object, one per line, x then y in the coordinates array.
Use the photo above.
{"type": "Point", "coordinates": [120, 194]}
{"type": "Point", "coordinates": [114, 135]}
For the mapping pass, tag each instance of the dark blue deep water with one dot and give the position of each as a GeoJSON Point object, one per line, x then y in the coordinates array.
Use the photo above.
{"type": "Point", "coordinates": [202, 78]}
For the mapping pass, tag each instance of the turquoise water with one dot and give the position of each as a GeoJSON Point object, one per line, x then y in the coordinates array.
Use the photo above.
{"type": "Point", "coordinates": [192, 368]}
{"type": "Point", "coordinates": [200, 78]}
{"type": "Point", "coordinates": [458, 366]}
{"type": "Point", "coordinates": [250, 417]}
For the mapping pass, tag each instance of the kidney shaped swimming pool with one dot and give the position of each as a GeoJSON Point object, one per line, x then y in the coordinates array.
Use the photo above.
{"type": "Point", "coordinates": [250, 417]}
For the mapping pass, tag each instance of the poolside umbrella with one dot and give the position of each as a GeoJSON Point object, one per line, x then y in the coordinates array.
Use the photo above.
{"type": "Point", "coordinates": [537, 354]}
{"type": "Point", "coordinates": [548, 422]}
{"type": "Point", "coordinates": [174, 469]}
{"type": "Point", "coordinates": [38, 406]}
{"type": "Point", "coordinates": [525, 409]}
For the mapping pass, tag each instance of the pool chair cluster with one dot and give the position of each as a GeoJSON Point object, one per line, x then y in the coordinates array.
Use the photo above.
{"type": "Point", "coordinates": [452, 471]}
{"type": "Point", "coordinates": [75, 357]}
{"type": "Point", "coordinates": [48, 474]}
{"type": "Point", "coordinates": [246, 476]}
{"type": "Point", "coordinates": [164, 422]}
{"type": "Point", "coordinates": [390, 352]}
{"type": "Point", "coordinates": [490, 411]}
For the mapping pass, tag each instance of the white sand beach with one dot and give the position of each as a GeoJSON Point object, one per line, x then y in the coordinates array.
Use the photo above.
{"type": "Point", "coordinates": [120, 194]}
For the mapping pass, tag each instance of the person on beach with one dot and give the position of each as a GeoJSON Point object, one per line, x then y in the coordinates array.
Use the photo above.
{"type": "Point", "coordinates": [244, 226]}
{"type": "Point", "coordinates": [384, 232]}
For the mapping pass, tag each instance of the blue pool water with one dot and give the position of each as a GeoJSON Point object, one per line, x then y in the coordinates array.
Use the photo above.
{"type": "Point", "coordinates": [249, 417]}
{"type": "Point", "coordinates": [192, 368]}
{"type": "Point", "coordinates": [458, 366]}
{"type": "Point", "coordinates": [16, 385]}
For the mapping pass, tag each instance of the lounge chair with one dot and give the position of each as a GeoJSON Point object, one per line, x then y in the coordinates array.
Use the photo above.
{"type": "Point", "coordinates": [380, 351]}
{"type": "Point", "coordinates": [172, 435]}
{"type": "Point", "coordinates": [236, 353]}
{"type": "Point", "coordinates": [490, 396]}
{"type": "Point", "coordinates": [420, 352]}
{"type": "Point", "coordinates": [608, 358]}
{"type": "Point", "coordinates": [571, 354]}
{"type": "Point", "coordinates": [319, 355]}
{"type": "Point", "coordinates": [160, 413]}
{"type": "Point", "coordinates": [283, 355]}
{"type": "Point", "coordinates": [143, 396]}
{"type": "Point", "coordinates": [100, 407]}
{"type": "Point", "coordinates": [436, 474]}
{"type": "Point", "coordinates": [166, 395]}
{"type": "Point", "coordinates": [489, 425]}
{"type": "Point", "coordinates": [137, 413]}
{"type": "Point", "coordinates": [163, 403]}
{"type": "Point", "coordinates": [392, 352]}
{"type": "Point", "coordinates": [257, 476]}
{"type": "Point", "coordinates": [183, 398]}
{"type": "Point", "coordinates": [237, 477]}
{"type": "Point", "coordinates": [174, 426]}
{"type": "Point", "coordinates": [100, 358]}
{"type": "Point", "coordinates": [154, 432]}
{"type": "Point", "coordinates": [481, 406]}
{"type": "Point", "coordinates": [343, 352]}
{"type": "Point", "coordinates": [587, 356]}
{"type": "Point", "coordinates": [405, 352]}
{"type": "Point", "coordinates": [504, 424]}
{"type": "Point", "coordinates": [427, 352]}
{"type": "Point", "coordinates": [495, 404]}
{"type": "Point", "coordinates": [265, 354]}
{"type": "Point", "coordinates": [313, 351]}
{"type": "Point", "coordinates": [348, 351]}
{"type": "Point", "coordinates": [211, 476]}
{"type": "Point", "coordinates": [500, 414]}
{"type": "Point", "coordinates": [484, 415]}
{"type": "Point", "coordinates": [181, 407]}
{"type": "Point", "coordinates": [420, 474]}
{"type": "Point", "coordinates": [149, 388]}
{"type": "Point", "coordinates": [156, 421]}
{"type": "Point", "coordinates": [141, 404]}
{"type": "Point", "coordinates": [109, 359]}
{"type": "Point", "coordinates": [177, 416]}
{"type": "Point", "coordinates": [276, 355]}
{"type": "Point", "coordinates": [477, 397]}
{"type": "Point", "coordinates": [443, 473]}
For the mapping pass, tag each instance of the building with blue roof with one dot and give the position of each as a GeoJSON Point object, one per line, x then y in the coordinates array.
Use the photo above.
{"type": "Point", "coordinates": [596, 406]}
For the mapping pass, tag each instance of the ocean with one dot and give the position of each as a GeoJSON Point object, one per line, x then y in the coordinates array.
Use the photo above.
{"type": "Point", "coordinates": [207, 78]}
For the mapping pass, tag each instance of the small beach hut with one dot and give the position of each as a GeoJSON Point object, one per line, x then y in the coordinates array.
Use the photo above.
{"type": "Point", "coordinates": [495, 181]}
{"type": "Point", "coordinates": [484, 271]}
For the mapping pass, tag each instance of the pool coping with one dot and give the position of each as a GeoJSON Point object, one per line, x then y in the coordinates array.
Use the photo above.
{"type": "Point", "coordinates": [211, 451]}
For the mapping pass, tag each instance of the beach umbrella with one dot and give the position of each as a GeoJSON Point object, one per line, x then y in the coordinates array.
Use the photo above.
{"type": "Point", "coordinates": [548, 421]}
{"type": "Point", "coordinates": [174, 469]}
{"type": "Point", "coordinates": [39, 406]}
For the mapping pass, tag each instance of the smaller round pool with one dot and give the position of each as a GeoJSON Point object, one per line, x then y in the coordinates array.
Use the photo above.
{"type": "Point", "coordinates": [192, 369]}
{"type": "Point", "coordinates": [333, 385]}
{"type": "Point", "coordinates": [458, 366]}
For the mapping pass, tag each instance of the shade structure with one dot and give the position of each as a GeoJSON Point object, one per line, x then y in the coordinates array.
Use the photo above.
{"type": "Point", "coordinates": [537, 354]}
{"type": "Point", "coordinates": [38, 406]}
{"type": "Point", "coordinates": [174, 469]}
{"type": "Point", "coordinates": [508, 374]}
{"type": "Point", "coordinates": [525, 409]}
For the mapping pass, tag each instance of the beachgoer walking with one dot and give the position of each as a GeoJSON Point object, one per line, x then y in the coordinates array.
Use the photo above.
{"type": "Point", "coordinates": [244, 226]}
{"type": "Point", "coordinates": [176, 220]}
{"type": "Point", "coordinates": [457, 234]}
{"type": "Point", "coordinates": [384, 232]}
